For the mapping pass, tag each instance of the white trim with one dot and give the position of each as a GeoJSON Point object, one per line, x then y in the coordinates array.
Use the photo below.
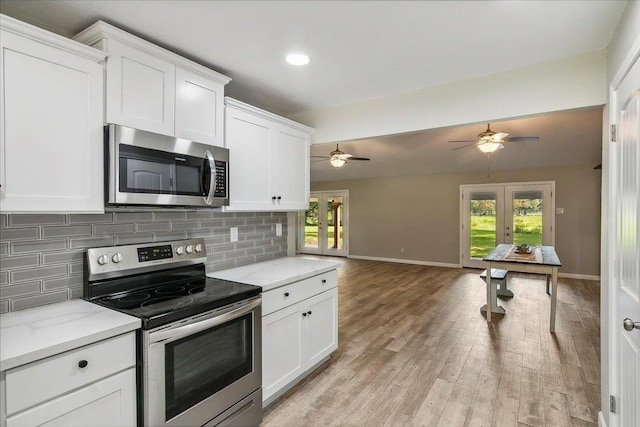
{"type": "Point", "coordinates": [601, 422]}
{"type": "Point", "coordinates": [578, 276]}
{"type": "Point", "coordinates": [102, 30]}
{"type": "Point", "coordinates": [230, 102]}
{"type": "Point", "coordinates": [43, 36]}
{"type": "Point", "coordinates": [406, 261]}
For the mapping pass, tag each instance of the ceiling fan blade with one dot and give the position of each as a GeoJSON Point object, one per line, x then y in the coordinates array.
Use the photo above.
{"type": "Point", "coordinates": [522, 138]}
{"type": "Point", "coordinates": [497, 137]}
{"type": "Point", "coordinates": [464, 146]}
{"type": "Point", "coordinates": [359, 158]}
{"type": "Point", "coordinates": [320, 157]}
{"type": "Point", "coordinates": [457, 142]}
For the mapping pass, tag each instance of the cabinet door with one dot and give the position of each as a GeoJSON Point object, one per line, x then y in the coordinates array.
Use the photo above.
{"type": "Point", "coordinates": [51, 139]}
{"type": "Point", "coordinates": [110, 402]}
{"type": "Point", "coordinates": [199, 108]}
{"type": "Point", "coordinates": [321, 326]}
{"type": "Point", "coordinates": [290, 169]}
{"type": "Point", "coordinates": [282, 352]}
{"type": "Point", "coordinates": [248, 139]}
{"type": "Point", "coordinates": [140, 90]}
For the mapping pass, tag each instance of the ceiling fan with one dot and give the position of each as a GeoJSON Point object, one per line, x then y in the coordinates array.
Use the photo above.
{"type": "Point", "coordinates": [339, 158]}
{"type": "Point", "coordinates": [490, 141]}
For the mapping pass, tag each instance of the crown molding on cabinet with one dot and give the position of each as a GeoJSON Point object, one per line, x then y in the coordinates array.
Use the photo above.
{"type": "Point", "coordinates": [230, 102]}
{"type": "Point", "coordinates": [102, 31]}
{"type": "Point", "coordinates": [38, 34]}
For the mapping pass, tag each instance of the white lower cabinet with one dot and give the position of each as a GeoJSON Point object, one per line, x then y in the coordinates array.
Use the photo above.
{"type": "Point", "coordinates": [110, 402]}
{"type": "Point", "coordinates": [94, 385]}
{"type": "Point", "coordinates": [299, 336]}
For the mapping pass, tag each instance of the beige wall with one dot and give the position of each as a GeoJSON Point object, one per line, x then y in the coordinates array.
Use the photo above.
{"type": "Point", "coordinates": [421, 214]}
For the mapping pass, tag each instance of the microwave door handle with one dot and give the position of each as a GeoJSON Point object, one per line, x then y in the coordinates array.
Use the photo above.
{"type": "Point", "coordinates": [173, 334]}
{"type": "Point", "coordinates": [212, 183]}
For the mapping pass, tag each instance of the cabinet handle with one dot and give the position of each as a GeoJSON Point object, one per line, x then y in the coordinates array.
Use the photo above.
{"type": "Point", "coordinates": [286, 294]}
{"type": "Point", "coordinates": [82, 364]}
{"type": "Point", "coordinates": [304, 314]}
{"type": "Point", "coordinates": [309, 312]}
{"type": "Point", "coordinates": [324, 280]}
{"type": "Point", "coordinates": [279, 197]}
{"type": "Point", "coordinates": [273, 197]}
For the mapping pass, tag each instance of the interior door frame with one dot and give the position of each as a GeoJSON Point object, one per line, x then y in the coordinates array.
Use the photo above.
{"type": "Point", "coordinates": [500, 224]}
{"type": "Point", "coordinates": [322, 249]}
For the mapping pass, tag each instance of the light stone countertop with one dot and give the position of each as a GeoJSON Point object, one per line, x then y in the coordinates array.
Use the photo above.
{"type": "Point", "coordinates": [35, 333]}
{"type": "Point", "coordinates": [278, 272]}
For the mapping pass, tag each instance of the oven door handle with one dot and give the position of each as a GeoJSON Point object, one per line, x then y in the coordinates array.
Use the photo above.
{"type": "Point", "coordinates": [170, 335]}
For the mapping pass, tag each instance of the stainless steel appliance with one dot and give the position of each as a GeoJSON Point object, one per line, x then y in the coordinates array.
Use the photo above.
{"type": "Point", "coordinates": [200, 347]}
{"type": "Point", "coordinates": [145, 168]}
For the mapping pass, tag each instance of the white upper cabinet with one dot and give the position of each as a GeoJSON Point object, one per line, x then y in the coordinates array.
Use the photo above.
{"type": "Point", "coordinates": [140, 89]}
{"type": "Point", "coordinates": [153, 89]}
{"type": "Point", "coordinates": [52, 103]}
{"type": "Point", "coordinates": [269, 160]}
{"type": "Point", "coordinates": [199, 108]}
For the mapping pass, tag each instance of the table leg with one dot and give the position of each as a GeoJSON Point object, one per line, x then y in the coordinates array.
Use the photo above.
{"type": "Point", "coordinates": [554, 296]}
{"type": "Point", "coordinates": [489, 302]}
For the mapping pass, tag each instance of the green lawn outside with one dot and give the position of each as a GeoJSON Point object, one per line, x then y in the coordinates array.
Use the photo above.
{"type": "Point", "coordinates": [528, 229]}
{"type": "Point", "coordinates": [311, 236]}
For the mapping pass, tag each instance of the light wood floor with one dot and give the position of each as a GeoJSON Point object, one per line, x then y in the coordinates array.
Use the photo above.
{"type": "Point", "coordinates": [415, 350]}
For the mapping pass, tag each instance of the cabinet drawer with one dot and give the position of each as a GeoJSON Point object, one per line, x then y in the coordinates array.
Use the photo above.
{"type": "Point", "coordinates": [284, 296]}
{"type": "Point", "coordinates": [39, 381]}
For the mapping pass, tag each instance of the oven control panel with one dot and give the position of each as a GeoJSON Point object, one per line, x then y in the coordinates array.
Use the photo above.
{"type": "Point", "coordinates": [152, 253]}
{"type": "Point", "coordinates": [128, 259]}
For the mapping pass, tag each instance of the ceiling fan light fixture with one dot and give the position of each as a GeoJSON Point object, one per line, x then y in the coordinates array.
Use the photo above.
{"type": "Point", "coordinates": [490, 147]}
{"type": "Point", "coordinates": [337, 162]}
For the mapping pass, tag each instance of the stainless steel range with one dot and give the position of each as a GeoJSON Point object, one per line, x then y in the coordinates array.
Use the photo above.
{"type": "Point", "coordinates": [199, 350]}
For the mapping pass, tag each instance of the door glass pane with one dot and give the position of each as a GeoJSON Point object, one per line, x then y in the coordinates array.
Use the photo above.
{"type": "Point", "coordinates": [335, 238]}
{"type": "Point", "coordinates": [311, 224]}
{"type": "Point", "coordinates": [527, 218]}
{"type": "Point", "coordinates": [483, 224]}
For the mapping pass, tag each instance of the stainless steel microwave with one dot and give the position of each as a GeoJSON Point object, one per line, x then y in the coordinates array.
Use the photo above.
{"type": "Point", "coordinates": [148, 169]}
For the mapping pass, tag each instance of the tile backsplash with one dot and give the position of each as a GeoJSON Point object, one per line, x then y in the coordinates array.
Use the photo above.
{"type": "Point", "coordinates": [41, 255]}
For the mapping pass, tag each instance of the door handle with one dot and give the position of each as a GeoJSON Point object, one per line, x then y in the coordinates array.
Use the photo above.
{"type": "Point", "coordinates": [630, 325]}
{"type": "Point", "coordinates": [506, 234]}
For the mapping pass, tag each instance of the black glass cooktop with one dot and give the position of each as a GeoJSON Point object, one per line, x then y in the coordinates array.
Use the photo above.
{"type": "Point", "coordinates": [163, 297]}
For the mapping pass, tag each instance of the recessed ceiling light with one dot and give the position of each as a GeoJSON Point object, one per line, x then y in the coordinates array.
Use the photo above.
{"type": "Point", "coordinates": [297, 59]}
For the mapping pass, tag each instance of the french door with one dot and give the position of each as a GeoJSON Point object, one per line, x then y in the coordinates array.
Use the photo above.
{"type": "Point", "coordinates": [518, 213]}
{"type": "Point", "coordinates": [323, 228]}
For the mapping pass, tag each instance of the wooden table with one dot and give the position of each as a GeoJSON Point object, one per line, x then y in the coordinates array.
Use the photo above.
{"type": "Point", "coordinates": [547, 265]}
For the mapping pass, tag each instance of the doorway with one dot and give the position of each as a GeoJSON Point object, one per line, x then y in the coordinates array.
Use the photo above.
{"type": "Point", "coordinates": [324, 227]}
{"type": "Point", "coordinates": [516, 213]}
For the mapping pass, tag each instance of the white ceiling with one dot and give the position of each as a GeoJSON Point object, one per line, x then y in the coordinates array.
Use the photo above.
{"type": "Point", "coordinates": [359, 49]}
{"type": "Point", "coordinates": [368, 49]}
{"type": "Point", "coordinates": [566, 138]}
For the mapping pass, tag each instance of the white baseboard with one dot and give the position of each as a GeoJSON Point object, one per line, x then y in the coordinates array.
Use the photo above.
{"type": "Point", "coordinates": [406, 261]}
{"type": "Point", "coordinates": [578, 276]}
{"type": "Point", "coordinates": [601, 422]}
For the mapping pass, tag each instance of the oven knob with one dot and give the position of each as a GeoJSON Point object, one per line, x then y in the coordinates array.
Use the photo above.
{"type": "Point", "coordinates": [198, 248]}
{"type": "Point", "coordinates": [180, 250]}
{"type": "Point", "coordinates": [189, 249]}
{"type": "Point", "coordinates": [117, 258]}
{"type": "Point", "coordinates": [103, 259]}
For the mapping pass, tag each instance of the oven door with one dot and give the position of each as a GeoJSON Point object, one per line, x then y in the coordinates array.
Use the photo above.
{"type": "Point", "coordinates": [196, 369]}
{"type": "Point", "coordinates": [151, 169]}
